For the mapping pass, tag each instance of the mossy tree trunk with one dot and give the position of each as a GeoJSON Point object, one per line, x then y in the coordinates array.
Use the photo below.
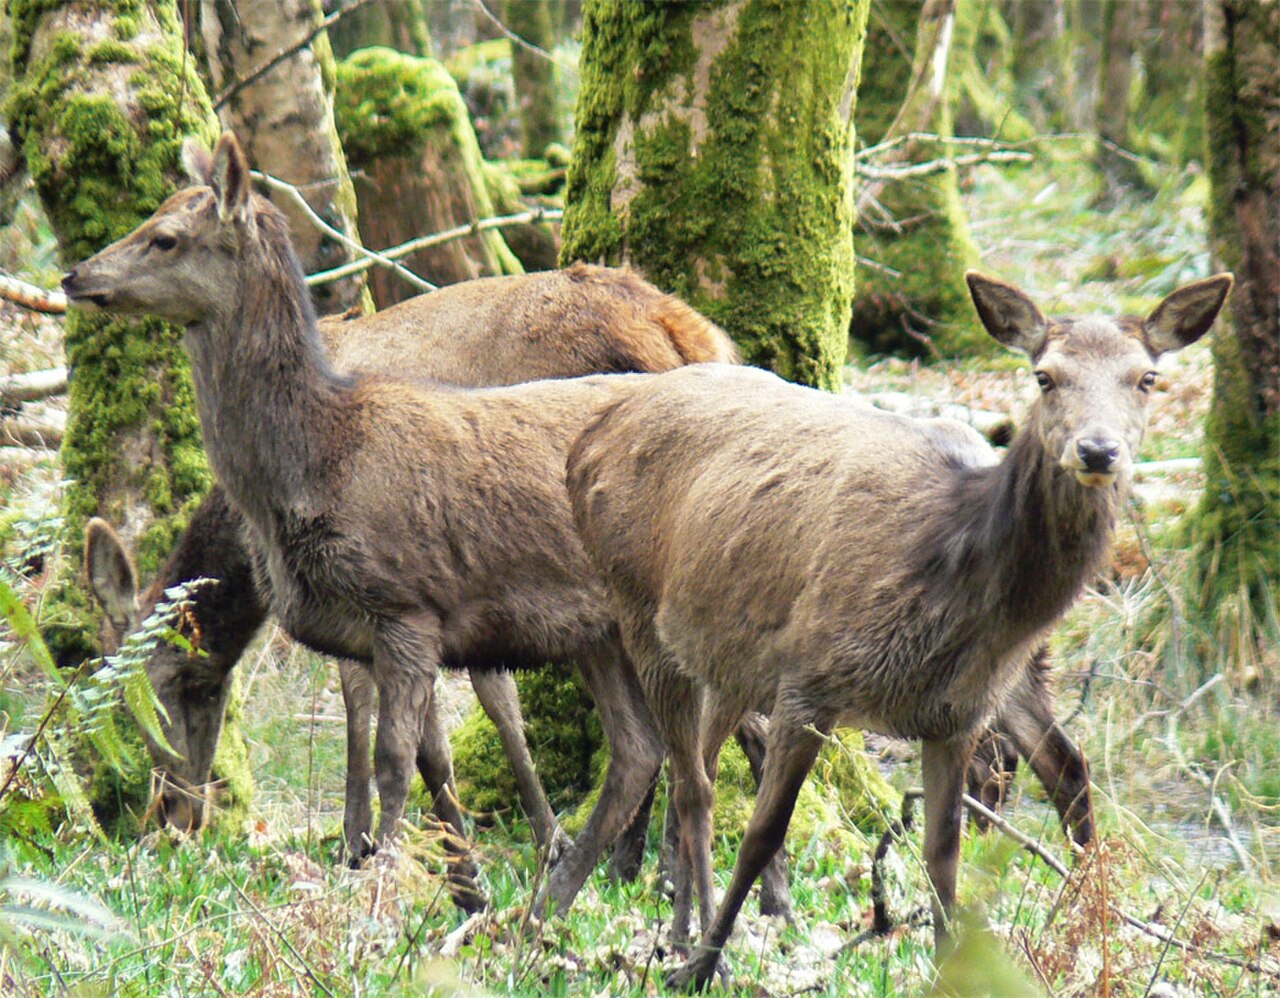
{"type": "Point", "coordinates": [534, 74]}
{"type": "Point", "coordinates": [914, 227]}
{"type": "Point", "coordinates": [101, 102]}
{"type": "Point", "coordinates": [394, 24]}
{"type": "Point", "coordinates": [284, 120]}
{"type": "Point", "coordinates": [1120, 174]}
{"type": "Point", "coordinates": [1237, 525]}
{"type": "Point", "coordinates": [405, 128]}
{"type": "Point", "coordinates": [714, 154]}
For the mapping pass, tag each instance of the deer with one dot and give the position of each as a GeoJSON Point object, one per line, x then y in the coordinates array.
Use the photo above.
{"type": "Point", "coordinates": [409, 525]}
{"type": "Point", "coordinates": [491, 331]}
{"type": "Point", "coordinates": [769, 547]}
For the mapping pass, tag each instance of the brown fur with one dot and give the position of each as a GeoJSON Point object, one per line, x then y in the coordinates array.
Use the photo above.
{"type": "Point", "coordinates": [793, 553]}
{"type": "Point", "coordinates": [405, 525]}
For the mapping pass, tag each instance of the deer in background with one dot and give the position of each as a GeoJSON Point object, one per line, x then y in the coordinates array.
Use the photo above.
{"type": "Point", "coordinates": [491, 331]}
{"type": "Point", "coordinates": [786, 551]}
{"type": "Point", "coordinates": [407, 525]}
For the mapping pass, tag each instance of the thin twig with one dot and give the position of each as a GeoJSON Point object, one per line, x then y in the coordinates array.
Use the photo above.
{"type": "Point", "coordinates": [522, 42]}
{"type": "Point", "coordinates": [315, 979]}
{"type": "Point", "coordinates": [534, 215]}
{"type": "Point", "coordinates": [1020, 837]}
{"type": "Point", "coordinates": [940, 165]}
{"type": "Point", "coordinates": [275, 183]}
{"type": "Point", "coordinates": [284, 54]}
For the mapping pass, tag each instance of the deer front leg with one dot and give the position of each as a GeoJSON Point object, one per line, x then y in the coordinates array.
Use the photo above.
{"type": "Point", "coordinates": [406, 658]}
{"type": "Point", "coordinates": [357, 820]}
{"type": "Point", "coordinates": [496, 691]}
{"type": "Point", "coordinates": [943, 765]}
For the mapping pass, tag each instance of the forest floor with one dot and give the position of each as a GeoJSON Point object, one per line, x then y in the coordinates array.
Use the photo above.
{"type": "Point", "coordinates": [1179, 898]}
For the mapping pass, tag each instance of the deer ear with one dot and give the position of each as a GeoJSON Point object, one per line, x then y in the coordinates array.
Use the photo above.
{"type": "Point", "coordinates": [1187, 314]}
{"type": "Point", "coordinates": [1007, 313]}
{"type": "Point", "coordinates": [197, 162]}
{"type": "Point", "coordinates": [112, 577]}
{"type": "Point", "coordinates": [230, 180]}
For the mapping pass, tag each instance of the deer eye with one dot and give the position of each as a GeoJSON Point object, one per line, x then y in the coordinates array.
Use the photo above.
{"type": "Point", "coordinates": [163, 242]}
{"type": "Point", "coordinates": [1044, 381]}
{"type": "Point", "coordinates": [1147, 382]}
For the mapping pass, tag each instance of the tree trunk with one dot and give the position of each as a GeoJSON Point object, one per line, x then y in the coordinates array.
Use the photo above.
{"type": "Point", "coordinates": [1120, 173]}
{"type": "Point", "coordinates": [393, 24]}
{"type": "Point", "coordinates": [1237, 556]}
{"type": "Point", "coordinates": [714, 154]}
{"type": "Point", "coordinates": [914, 228]}
{"type": "Point", "coordinates": [284, 121]}
{"type": "Point", "coordinates": [102, 99]}
{"type": "Point", "coordinates": [405, 128]}
{"type": "Point", "coordinates": [534, 74]}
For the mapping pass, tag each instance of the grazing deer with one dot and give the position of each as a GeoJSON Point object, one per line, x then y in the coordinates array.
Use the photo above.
{"type": "Point", "coordinates": [406, 525]}
{"type": "Point", "coordinates": [491, 331]}
{"type": "Point", "coordinates": [792, 553]}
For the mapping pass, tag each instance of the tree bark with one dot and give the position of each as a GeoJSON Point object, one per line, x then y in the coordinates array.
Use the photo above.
{"type": "Point", "coordinates": [534, 74]}
{"type": "Point", "coordinates": [1120, 175]}
{"type": "Point", "coordinates": [103, 97]}
{"type": "Point", "coordinates": [1236, 526]}
{"type": "Point", "coordinates": [284, 121]}
{"type": "Point", "coordinates": [393, 24]}
{"type": "Point", "coordinates": [714, 154]}
{"type": "Point", "coordinates": [406, 130]}
{"type": "Point", "coordinates": [915, 228]}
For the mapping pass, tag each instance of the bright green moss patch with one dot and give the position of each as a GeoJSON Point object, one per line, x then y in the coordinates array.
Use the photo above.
{"type": "Point", "coordinates": [388, 103]}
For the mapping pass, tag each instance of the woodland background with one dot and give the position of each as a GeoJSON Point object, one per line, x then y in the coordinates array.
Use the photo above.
{"type": "Point", "coordinates": [815, 176]}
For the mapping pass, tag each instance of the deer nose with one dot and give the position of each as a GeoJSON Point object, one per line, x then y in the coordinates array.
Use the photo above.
{"type": "Point", "coordinates": [1098, 454]}
{"type": "Point", "coordinates": [69, 280]}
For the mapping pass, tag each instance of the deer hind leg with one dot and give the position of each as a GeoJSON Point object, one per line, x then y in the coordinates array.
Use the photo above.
{"type": "Point", "coordinates": [635, 753]}
{"type": "Point", "coordinates": [775, 884]}
{"type": "Point", "coordinates": [357, 820]}
{"type": "Point", "coordinates": [1027, 720]}
{"type": "Point", "coordinates": [943, 766]}
{"type": "Point", "coordinates": [792, 748]}
{"type": "Point", "coordinates": [496, 691]}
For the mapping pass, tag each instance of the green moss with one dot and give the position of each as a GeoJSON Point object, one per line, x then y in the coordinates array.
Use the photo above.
{"type": "Point", "coordinates": [750, 221]}
{"type": "Point", "coordinates": [109, 51]}
{"type": "Point", "coordinates": [387, 103]}
{"type": "Point", "coordinates": [231, 769]}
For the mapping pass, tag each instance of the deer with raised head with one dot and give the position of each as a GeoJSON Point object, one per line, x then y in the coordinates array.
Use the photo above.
{"type": "Point", "coordinates": [408, 525]}
{"type": "Point", "coordinates": [783, 550]}
{"type": "Point", "coordinates": [491, 331]}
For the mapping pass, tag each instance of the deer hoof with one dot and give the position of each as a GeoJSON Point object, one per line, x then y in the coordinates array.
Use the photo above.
{"type": "Point", "coordinates": [697, 973]}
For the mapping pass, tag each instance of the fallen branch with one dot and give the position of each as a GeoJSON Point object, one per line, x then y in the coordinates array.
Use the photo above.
{"type": "Point", "coordinates": [276, 184]}
{"type": "Point", "coordinates": [423, 242]}
{"type": "Point", "coordinates": [32, 297]}
{"type": "Point", "coordinates": [1173, 466]}
{"type": "Point", "coordinates": [32, 386]}
{"type": "Point", "coordinates": [940, 165]}
{"type": "Point", "coordinates": [989, 424]}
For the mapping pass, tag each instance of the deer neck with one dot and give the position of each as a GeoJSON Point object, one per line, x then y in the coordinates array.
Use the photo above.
{"type": "Point", "coordinates": [271, 407]}
{"type": "Point", "coordinates": [1022, 537]}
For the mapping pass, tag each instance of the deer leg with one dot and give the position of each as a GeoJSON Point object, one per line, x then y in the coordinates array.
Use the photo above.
{"type": "Point", "coordinates": [435, 763]}
{"type": "Point", "coordinates": [775, 884]}
{"type": "Point", "coordinates": [992, 768]}
{"type": "Point", "coordinates": [792, 748]}
{"type": "Point", "coordinates": [357, 818]}
{"type": "Point", "coordinates": [406, 657]}
{"type": "Point", "coordinates": [628, 852]}
{"type": "Point", "coordinates": [635, 753]}
{"type": "Point", "coordinates": [496, 691]}
{"type": "Point", "coordinates": [943, 766]}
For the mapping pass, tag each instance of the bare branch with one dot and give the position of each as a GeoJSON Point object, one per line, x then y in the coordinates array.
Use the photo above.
{"type": "Point", "coordinates": [423, 242]}
{"type": "Point", "coordinates": [32, 297]}
{"type": "Point", "coordinates": [941, 165]}
{"type": "Point", "coordinates": [370, 256]}
{"type": "Point", "coordinates": [284, 54]}
{"type": "Point", "coordinates": [523, 43]}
